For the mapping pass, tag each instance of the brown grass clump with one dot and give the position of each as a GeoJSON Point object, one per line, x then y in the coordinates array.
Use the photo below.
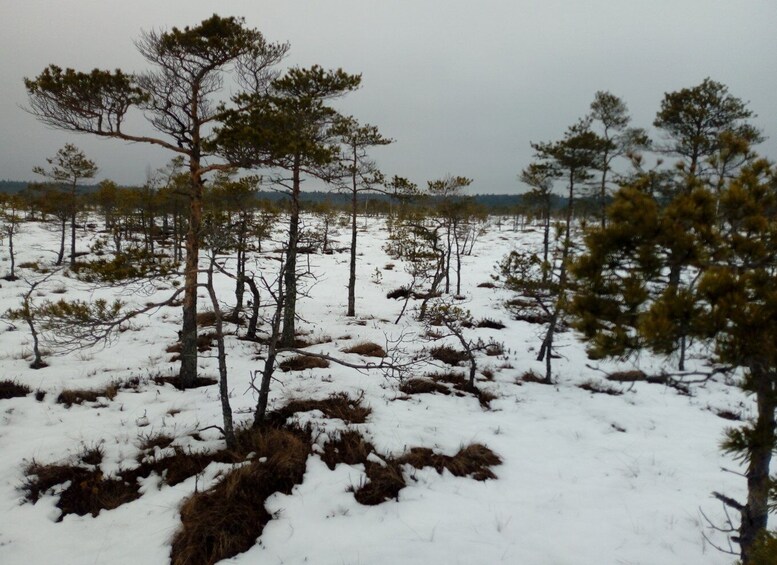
{"type": "Point", "coordinates": [68, 397]}
{"type": "Point", "coordinates": [448, 355]}
{"type": "Point", "coordinates": [93, 493]}
{"type": "Point", "coordinates": [349, 447]}
{"type": "Point", "coordinates": [367, 349]}
{"type": "Point", "coordinates": [401, 292]}
{"type": "Point", "coordinates": [151, 441]}
{"type": "Point", "coordinates": [473, 461]}
{"type": "Point", "coordinates": [600, 388]}
{"type": "Point", "coordinates": [487, 284]}
{"type": "Point", "coordinates": [455, 379]}
{"type": "Point", "coordinates": [89, 491]}
{"type": "Point", "coordinates": [300, 342]}
{"type": "Point", "coordinates": [383, 483]}
{"type": "Point", "coordinates": [627, 376]}
{"type": "Point", "coordinates": [422, 386]}
{"type": "Point", "coordinates": [437, 382]}
{"type": "Point", "coordinates": [176, 382]}
{"type": "Point", "coordinates": [531, 377]}
{"type": "Point", "coordinates": [483, 396]}
{"type": "Point", "coordinates": [302, 362]}
{"type": "Point", "coordinates": [205, 342]}
{"type": "Point", "coordinates": [490, 324]}
{"type": "Point", "coordinates": [338, 405]}
{"type": "Point", "coordinates": [727, 414]}
{"type": "Point", "coordinates": [206, 319]}
{"type": "Point", "coordinates": [12, 389]}
{"type": "Point", "coordinates": [226, 519]}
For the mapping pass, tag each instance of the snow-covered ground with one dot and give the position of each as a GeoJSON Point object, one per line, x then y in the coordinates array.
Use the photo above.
{"type": "Point", "coordinates": [585, 479]}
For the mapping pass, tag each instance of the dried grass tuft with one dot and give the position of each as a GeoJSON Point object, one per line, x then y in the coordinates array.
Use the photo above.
{"type": "Point", "coordinates": [302, 362]}
{"type": "Point", "coordinates": [338, 405]}
{"type": "Point", "coordinates": [448, 355]}
{"type": "Point", "coordinates": [68, 397]}
{"type": "Point", "coordinates": [422, 386]}
{"type": "Point", "coordinates": [367, 349]}
{"type": "Point", "coordinates": [490, 324]}
{"type": "Point", "coordinates": [226, 520]}
{"type": "Point", "coordinates": [349, 447]}
{"type": "Point", "coordinates": [12, 389]}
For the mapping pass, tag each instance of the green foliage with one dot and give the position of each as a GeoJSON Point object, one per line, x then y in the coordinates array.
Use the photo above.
{"type": "Point", "coordinates": [289, 128]}
{"type": "Point", "coordinates": [130, 265]}
{"type": "Point", "coordinates": [703, 121]}
{"type": "Point", "coordinates": [96, 101]}
{"type": "Point", "coordinates": [765, 549]}
{"type": "Point", "coordinates": [78, 312]}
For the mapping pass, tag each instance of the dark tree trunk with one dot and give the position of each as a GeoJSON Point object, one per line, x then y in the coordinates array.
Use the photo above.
{"type": "Point", "coordinates": [352, 266]}
{"type": "Point", "coordinates": [546, 350]}
{"type": "Point", "coordinates": [290, 301]}
{"type": "Point", "coordinates": [73, 224]}
{"type": "Point", "coordinates": [241, 269]}
{"type": "Point", "coordinates": [188, 371]}
{"type": "Point", "coordinates": [762, 443]}
{"type": "Point", "coordinates": [226, 409]}
{"type": "Point", "coordinates": [272, 352]}
{"type": "Point", "coordinates": [63, 231]}
{"type": "Point", "coordinates": [254, 320]}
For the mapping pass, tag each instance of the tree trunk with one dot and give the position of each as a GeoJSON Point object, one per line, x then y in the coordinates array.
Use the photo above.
{"type": "Point", "coordinates": [62, 231]}
{"type": "Point", "coordinates": [352, 267]}
{"type": "Point", "coordinates": [73, 224]}
{"type": "Point", "coordinates": [226, 409]}
{"type": "Point", "coordinates": [11, 253]}
{"type": "Point", "coordinates": [290, 301]}
{"type": "Point", "coordinates": [272, 352]}
{"type": "Point", "coordinates": [762, 441]}
{"type": "Point", "coordinates": [546, 350]}
{"type": "Point", "coordinates": [447, 258]}
{"type": "Point", "coordinates": [241, 269]}
{"type": "Point", "coordinates": [254, 320]}
{"type": "Point", "coordinates": [188, 371]}
{"type": "Point", "coordinates": [37, 362]}
{"type": "Point", "coordinates": [458, 261]}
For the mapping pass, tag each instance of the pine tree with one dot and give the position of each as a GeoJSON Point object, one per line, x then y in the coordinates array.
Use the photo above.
{"type": "Point", "coordinates": [179, 98]}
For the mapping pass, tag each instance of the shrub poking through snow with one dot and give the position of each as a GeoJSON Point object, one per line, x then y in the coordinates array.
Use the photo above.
{"type": "Point", "coordinates": [176, 382]}
{"type": "Point", "coordinates": [490, 324]}
{"type": "Point", "coordinates": [68, 397]}
{"type": "Point", "coordinates": [422, 386]}
{"type": "Point", "coordinates": [302, 362]}
{"type": "Point", "coordinates": [12, 389]}
{"type": "Point", "coordinates": [384, 477]}
{"type": "Point", "coordinates": [600, 388]}
{"type": "Point", "coordinates": [531, 377]}
{"type": "Point", "coordinates": [338, 405]}
{"type": "Point", "coordinates": [88, 491]}
{"type": "Point", "coordinates": [401, 292]}
{"type": "Point", "coordinates": [437, 382]}
{"type": "Point", "coordinates": [367, 349]}
{"type": "Point", "coordinates": [448, 355]}
{"type": "Point", "coordinates": [348, 447]}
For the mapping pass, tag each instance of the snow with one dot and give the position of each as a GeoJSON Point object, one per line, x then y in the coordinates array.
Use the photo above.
{"type": "Point", "coordinates": [585, 479]}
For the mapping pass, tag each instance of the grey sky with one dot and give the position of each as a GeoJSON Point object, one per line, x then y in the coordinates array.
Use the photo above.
{"type": "Point", "coordinates": [462, 86]}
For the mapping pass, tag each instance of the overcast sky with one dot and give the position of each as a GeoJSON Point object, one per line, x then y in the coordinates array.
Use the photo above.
{"type": "Point", "coordinates": [462, 86]}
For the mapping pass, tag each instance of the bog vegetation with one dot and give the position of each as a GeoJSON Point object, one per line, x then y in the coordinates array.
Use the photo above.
{"type": "Point", "coordinates": [666, 245]}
